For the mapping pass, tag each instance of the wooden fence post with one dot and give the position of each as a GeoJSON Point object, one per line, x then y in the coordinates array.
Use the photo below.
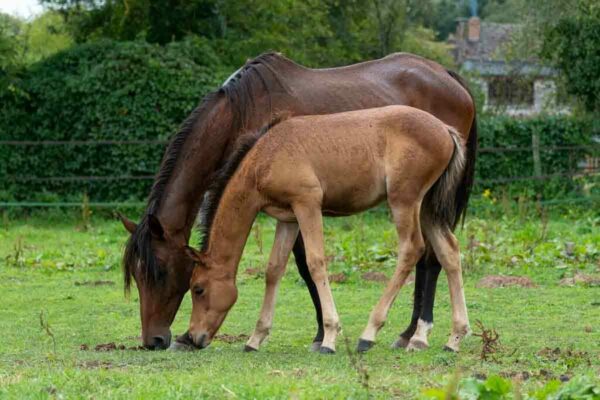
{"type": "Point", "coordinates": [535, 146]}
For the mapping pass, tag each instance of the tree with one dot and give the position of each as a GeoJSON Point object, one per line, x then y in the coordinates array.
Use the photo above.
{"type": "Point", "coordinates": [572, 44]}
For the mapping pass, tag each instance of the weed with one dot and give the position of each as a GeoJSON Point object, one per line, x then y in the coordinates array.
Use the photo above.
{"type": "Point", "coordinates": [489, 341]}
{"type": "Point", "coordinates": [45, 325]}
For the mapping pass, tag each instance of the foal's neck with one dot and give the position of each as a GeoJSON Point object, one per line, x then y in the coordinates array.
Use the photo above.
{"type": "Point", "coordinates": [231, 226]}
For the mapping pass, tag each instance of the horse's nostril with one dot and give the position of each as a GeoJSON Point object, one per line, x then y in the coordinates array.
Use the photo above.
{"type": "Point", "coordinates": [161, 342]}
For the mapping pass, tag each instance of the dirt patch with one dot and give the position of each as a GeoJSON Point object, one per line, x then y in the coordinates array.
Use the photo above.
{"type": "Point", "coordinates": [254, 271]}
{"type": "Point", "coordinates": [112, 346]}
{"type": "Point", "coordinates": [374, 276]}
{"type": "Point", "coordinates": [580, 279]}
{"type": "Point", "coordinates": [498, 281]}
{"type": "Point", "coordinates": [94, 283]}
{"type": "Point", "coordinates": [224, 337]}
{"type": "Point", "coordinates": [338, 278]}
{"type": "Point", "coordinates": [518, 375]}
{"type": "Point", "coordinates": [568, 356]}
{"type": "Point", "coordinates": [94, 364]}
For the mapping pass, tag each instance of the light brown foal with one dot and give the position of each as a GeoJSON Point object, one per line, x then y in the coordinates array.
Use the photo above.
{"type": "Point", "coordinates": [338, 164]}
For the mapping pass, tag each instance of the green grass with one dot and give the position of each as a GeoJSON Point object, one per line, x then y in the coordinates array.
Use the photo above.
{"type": "Point", "coordinates": [44, 260]}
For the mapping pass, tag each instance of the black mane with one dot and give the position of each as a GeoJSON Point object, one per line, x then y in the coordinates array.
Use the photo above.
{"type": "Point", "coordinates": [254, 78]}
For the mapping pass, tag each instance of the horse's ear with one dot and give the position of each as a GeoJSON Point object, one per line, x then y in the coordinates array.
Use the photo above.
{"type": "Point", "coordinates": [197, 256]}
{"type": "Point", "coordinates": [156, 228]}
{"type": "Point", "coordinates": [127, 223]}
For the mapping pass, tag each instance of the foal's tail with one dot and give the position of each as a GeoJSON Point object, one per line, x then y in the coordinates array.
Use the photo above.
{"type": "Point", "coordinates": [439, 204]}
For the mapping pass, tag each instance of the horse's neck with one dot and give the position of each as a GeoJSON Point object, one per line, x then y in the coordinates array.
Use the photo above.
{"type": "Point", "coordinates": [205, 150]}
{"type": "Point", "coordinates": [231, 226]}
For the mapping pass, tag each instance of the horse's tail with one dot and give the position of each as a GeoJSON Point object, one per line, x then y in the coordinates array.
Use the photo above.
{"type": "Point", "coordinates": [439, 203]}
{"type": "Point", "coordinates": [463, 189]}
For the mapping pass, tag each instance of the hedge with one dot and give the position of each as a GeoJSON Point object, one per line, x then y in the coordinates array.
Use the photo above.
{"type": "Point", "coordinates": [99, 91]}
{"type": "Point", "coordinates": [135, 90]}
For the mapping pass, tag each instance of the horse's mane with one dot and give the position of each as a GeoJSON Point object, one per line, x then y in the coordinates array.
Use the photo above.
{"type": "Point", "coordinates": [257, 76]}
{"type": "Point", "coordinates": [219, 184]}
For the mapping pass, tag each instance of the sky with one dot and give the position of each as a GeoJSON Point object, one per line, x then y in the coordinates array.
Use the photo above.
{"type": "Point", "coordinates": [20, 8]}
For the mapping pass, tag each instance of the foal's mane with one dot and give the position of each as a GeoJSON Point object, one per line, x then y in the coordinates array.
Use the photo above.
{"type": "Point", "coordinates": [224, 175]}
{"type": "Point", "coordinates": [256, 77]}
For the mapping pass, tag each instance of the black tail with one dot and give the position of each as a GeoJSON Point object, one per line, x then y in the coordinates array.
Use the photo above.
{"type": "Point", "coordinates": [465, 185]}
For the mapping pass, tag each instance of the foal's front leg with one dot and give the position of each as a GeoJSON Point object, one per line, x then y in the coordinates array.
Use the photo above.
{"type": "Point", "coordinates": [285, 236]}
{"type": "Point", "coordinates": [311, 225]}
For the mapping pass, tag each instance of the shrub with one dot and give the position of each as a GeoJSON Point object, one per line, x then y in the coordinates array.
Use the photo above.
{"type": "Point", "coordinates": [101, 90]}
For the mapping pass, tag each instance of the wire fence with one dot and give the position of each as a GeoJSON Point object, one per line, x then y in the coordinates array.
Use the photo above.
{"type": "Point", "coordinates": [587, 172]}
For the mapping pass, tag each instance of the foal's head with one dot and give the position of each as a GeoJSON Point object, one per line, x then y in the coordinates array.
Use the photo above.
{"type": "Point", "coordinates": [213, 294]}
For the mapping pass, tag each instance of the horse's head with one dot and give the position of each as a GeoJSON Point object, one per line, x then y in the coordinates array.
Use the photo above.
{"type": "Point", "coordinates": [213, 294]}
{"type": "Point", "coordinates": [158, 263]}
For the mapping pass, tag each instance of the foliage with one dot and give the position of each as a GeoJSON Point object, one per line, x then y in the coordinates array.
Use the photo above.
{"type": "Point", "coordinates": [498, 388]}
{"type": "Point", "coordinates": [313, 32]}
{"type": "Point", "coordinates": [572, 44]}
{"type": "Point", "coordinates": [508, 132]}
{"type": "Point", "coordinates": [102, 90]}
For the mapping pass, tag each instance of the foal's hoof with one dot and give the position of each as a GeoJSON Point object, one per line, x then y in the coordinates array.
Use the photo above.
{"type": "Point", "coordinates": [326, 350]}
{"type": "Point", "coordinates": [315, 346]}
{"type": "Point", "coordinates": [416, 345]}
{"type": "Point", "coordinates": [249, 349]}
{"type": "Point", "coordinates": [364, 345]}
{"type": "Point", "coordinates": [400, 343]}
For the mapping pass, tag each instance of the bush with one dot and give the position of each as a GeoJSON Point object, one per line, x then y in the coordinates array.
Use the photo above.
{"type": "Point", "coordinates": [510, 132]}
{"type": "Point", "coordinates": [102, 90]}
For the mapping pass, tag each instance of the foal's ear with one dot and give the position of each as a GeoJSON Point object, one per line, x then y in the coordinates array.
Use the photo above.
{"type": "Point", "coordinates": [197, 256]}
{"type": "Point", "coordinates": [127, 223]}
{"type": "Point", "coordinates": [156, 228]}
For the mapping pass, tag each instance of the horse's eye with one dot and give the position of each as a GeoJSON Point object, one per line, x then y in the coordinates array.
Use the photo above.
{"type": "Point", "coordinates": [198, 291]}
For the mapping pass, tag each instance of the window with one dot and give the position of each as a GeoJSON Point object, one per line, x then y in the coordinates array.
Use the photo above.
{"type": "Point", "coordinates": [510, 91]}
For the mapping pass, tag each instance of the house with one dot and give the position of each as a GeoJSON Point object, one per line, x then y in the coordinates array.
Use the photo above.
{"type": "Point", "coordinates": [516, 87]}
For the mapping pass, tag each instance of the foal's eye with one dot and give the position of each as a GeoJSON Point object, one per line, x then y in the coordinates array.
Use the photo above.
{"type": "Point", "coordinates": [198, 291]}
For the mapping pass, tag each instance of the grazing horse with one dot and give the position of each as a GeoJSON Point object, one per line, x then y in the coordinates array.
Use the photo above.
{"type": "Point", "coordinates": [297, 173]}
{"type": "Point", "coordinates": [266, 88]}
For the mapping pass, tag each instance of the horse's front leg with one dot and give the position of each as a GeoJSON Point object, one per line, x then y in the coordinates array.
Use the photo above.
{"type": "Point", "coordinates": [285, 236]}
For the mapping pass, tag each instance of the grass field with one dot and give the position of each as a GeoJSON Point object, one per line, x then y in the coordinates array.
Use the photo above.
{"type": "Point", "coordinates": [68, 279]}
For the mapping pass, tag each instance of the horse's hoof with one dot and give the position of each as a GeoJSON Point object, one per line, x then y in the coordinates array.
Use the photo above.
{"type": "Point", "coordinates": [450, 349]}
{"type": "Point", "coordinates": [315, 346]}
{"type": "Point", "coordinates": [326, 350]}
{"type": "Point", "coordinates": [416, 345]}
{"type": "Point", "coordinates": [249, 349]}
{"type": "Point", "coordinates": [400, 343]}
{"type": "Point", "coordinates": [364, 345]}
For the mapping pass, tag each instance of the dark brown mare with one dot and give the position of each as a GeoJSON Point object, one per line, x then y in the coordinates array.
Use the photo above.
{"type": "Point", "coordinates": [267, 88]}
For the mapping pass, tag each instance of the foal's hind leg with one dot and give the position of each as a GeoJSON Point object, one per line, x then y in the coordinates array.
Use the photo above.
{"type": "Point", "coordinates": [410, 248]}
{"type": "Point", "coordinates": [445, 245]}
{"type": "Point", "coordinates": [285, 236]}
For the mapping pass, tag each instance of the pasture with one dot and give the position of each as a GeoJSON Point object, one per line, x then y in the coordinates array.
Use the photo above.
{"type": "Point", "coordinates": [61, 295]}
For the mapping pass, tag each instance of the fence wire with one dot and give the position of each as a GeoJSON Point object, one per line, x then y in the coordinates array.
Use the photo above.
{"type": "Point", "coordinates": [157, 142]}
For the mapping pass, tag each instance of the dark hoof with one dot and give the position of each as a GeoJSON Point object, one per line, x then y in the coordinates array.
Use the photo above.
{"type": "Point", "coordinates": [249, 349]}
{"type": "Point", "coordinates": [364, 345]}
{"type": "Point", "coordinates": [401, 343]}
{"type": "Point", "coordinates": [450, 349]}
{"type": "Point", "coordinates": [316, 346]}
{"type": "Point", "coordinates": [326, 350]}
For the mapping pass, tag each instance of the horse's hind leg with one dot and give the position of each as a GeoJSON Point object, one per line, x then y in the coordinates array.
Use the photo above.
{"type": "Point", "coordinates": [420, 277]}
{"type": "Point", "coordinates": [285, 236]}
{"type": "Point", "coordinates": [445, 245]}
{"type": "Point", "coordinates": [410, 249]}
{"type": "Point", "coordinates": [300, 256]}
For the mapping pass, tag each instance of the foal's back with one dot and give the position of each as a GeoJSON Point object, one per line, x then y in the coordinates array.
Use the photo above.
{"type": "Point", "coordinates": [350, 161]}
